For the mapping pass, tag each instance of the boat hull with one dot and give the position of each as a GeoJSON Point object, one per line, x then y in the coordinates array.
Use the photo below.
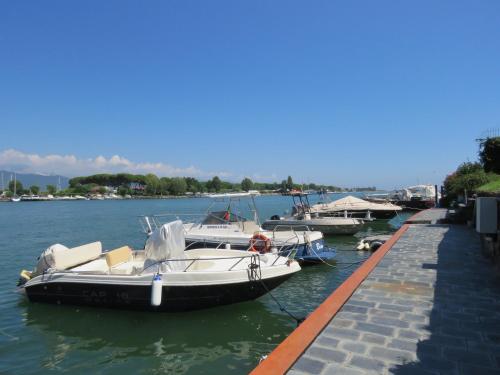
{"type": "Point", "coordinates": [361, 214]}
{"type": "Point", "coordinates": [138, 297]}
{"type": "Point", "coordinates": [315, 225]}
{"type": "Point", "coordinates": [303, 250]}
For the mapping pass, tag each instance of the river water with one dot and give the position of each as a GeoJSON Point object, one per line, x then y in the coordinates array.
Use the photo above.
{"type": "Point", "coordinates": [38, 338]}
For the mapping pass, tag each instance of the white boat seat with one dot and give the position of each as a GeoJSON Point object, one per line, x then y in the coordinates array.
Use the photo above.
{"type": "Point", "coordinates": [117, 256]}
{"type": "Point", "coordinates": [97, 265]}
{"type": "Point", "coordinates": [76, 255]}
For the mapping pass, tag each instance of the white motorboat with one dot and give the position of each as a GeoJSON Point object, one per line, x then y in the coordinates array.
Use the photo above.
{"type": "Point", "coordinates": [415, 197]}
{"type": "Point", "coordinates": [228, 228]}
{"type": "Point", "coordinates": [162, 277]}
{"type": "Point", "coordinates": [355, 207]}
{"type": "Point", "coordinates": [302, 218]}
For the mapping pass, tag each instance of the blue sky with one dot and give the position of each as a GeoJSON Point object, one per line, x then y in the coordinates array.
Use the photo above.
{"type": "Point", "coordinates": [349, 93]}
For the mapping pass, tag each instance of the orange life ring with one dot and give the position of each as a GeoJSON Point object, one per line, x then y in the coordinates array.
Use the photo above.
{"type": "Point", "coordinates": [260, 243]}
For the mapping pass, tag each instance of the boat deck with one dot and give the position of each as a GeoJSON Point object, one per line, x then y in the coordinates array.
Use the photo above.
{"type": "Point", "coordinates": [427, 302]}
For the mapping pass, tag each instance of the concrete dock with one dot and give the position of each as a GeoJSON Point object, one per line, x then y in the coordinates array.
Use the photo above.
{"type": "Point", "coordinates": [427, 302]}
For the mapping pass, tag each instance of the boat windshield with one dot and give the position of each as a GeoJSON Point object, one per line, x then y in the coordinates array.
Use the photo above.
{"type": "Point", "coordinates": [220, 217]}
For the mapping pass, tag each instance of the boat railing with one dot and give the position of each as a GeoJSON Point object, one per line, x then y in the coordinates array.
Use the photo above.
{"type": "Point", "coordinates": [254, 258]}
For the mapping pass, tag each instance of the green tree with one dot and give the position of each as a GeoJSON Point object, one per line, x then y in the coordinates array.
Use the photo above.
{"type": "Point", "coordinates": [468, 176]}
{"type": "Point", "coordinates": [490, 154]}
{"type": "Point", "coordinates": [165, 185]}
{"type": "Point", "coordinates": [193, 185]}
{"type": "Point", "coordinates": [123, 190]}
{"type": "Point", "coordinates": [152, 184]}
{"type": "Point", "coordinates": [178, 186]}
{"type": "Point", "coordinates": [216, 184]}
{"type": "Point", "coordinates": [289, 183]}
{"type": "Point", "coordinates": [34, 189]}
{"type": "Point", "coordinates": [51, 189]}
{"type": "Point", "coordinates": [19, 187]}
{"type": "Point", "coordinates": [247, 184]}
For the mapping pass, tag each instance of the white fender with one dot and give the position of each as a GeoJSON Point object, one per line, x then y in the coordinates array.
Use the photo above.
{"type": "Point", "coordinates": [361, 245]}
{"type": "Point", "coordinates": [156, 290]}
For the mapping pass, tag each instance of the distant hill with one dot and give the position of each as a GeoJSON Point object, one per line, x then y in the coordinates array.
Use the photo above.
{"type": "Point", "coordinates": [30, 179]}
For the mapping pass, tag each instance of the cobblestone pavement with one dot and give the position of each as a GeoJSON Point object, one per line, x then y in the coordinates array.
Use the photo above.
{"type": "Point", "coordinates": [429, 216]}
{"type": "Point", "coordinates": [431, 306]}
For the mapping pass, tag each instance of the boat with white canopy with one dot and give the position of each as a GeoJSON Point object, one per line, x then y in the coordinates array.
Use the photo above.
{"type": "Point", "coordinates": [162, 277]}
{"type": "Point", "coordinates": [302, 218]}
{"type": "Point", "coordinates": [355, 207]}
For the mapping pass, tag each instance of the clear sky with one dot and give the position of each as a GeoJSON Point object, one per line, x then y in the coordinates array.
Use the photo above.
{"type": "Point", "coordinates": [352, 93]}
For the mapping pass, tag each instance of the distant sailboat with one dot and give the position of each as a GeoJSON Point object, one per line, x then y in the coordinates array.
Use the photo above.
{"type": "Point", "coordinates": [15, 198]}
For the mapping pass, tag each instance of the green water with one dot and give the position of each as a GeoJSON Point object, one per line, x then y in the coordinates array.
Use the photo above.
{"type": "Point", "coordinates": [37, 338]}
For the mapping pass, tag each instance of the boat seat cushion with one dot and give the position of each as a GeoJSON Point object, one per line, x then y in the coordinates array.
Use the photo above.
{"type": "Point", "coordinates": [117, 256]}
{"type": "Point", "coordinates": [77, 255]}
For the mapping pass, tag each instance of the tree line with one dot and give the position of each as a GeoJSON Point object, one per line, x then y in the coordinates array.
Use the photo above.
{"type": "Point", "coordinates": [152, 185]}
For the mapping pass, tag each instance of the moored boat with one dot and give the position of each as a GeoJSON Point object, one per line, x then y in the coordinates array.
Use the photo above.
{"type": "Point", "coordinates": [162, 277]}
{"type": "Point", "coordinates": [302, 219]}
{"type": "Point", "coordinates": [355, 207]}
{"type": "Point", "coordinates": [227, 228]}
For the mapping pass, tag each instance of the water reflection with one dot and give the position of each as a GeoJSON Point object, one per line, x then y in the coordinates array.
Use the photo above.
{"type": "Point", "coordinates": [174, 343]}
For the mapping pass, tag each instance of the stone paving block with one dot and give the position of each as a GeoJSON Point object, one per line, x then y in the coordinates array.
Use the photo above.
{"type": "Point", "coordinates": [342, 323]}
{"type": "Point", "coordinates": [409, 334]}
{"type": "Point", "coordinates": [467, 369]}
{"type": "Point", "coordinates": [394, 355]}
{"type": "Point", "coordinates": [341, 370]}
{"type": "Point", "coordinates": [342, 333]}
{"type": "Point", "coordinates": [390, 322]}
{"type": "Point", "coordinates": [326, 355]}
{"type": "Point", "coordinates": [371, 338]}
{"type": "Point", "coordinates": [466, 356]}
{"type": "Point", "coordinates": [438, 365]}
{"type": "Point", "coordinates": [415, 318]}
{"type": "Point", "coordinates": [354, 309]}
{"type": "Point", "coordinates": [403, 345]}
{"type": "Point", "coordinates": [358, 302]}
{"type": "Point", "coordinates": [385, 313]}
{"type": "Point", "coordinates": [351, 316]}
{"type": "Point", "coordinates": [379, 299]}
{"type": "Point", "coordinates": [327, 341]}
{"type": "Point", "coordinates": [351, 346]}
{"type": "Point", "coordinates": [375, 328]}
{"type": "Point", "coordinates": [460, 332]}
{"type": "Point", "coordinates": [400, 308]}
{"type": "Point", "coordinates": [367, 364]}
{"type": "Point", "coordinates": [309, 365]}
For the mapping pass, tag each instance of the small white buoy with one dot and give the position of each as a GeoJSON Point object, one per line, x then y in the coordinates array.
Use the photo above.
{"type": "Point", "coordinates": [361, 245]}
{"type": "Point", "coordinates": [228, 246]}
{"type": "Point", "coordinates": [156, 290]}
